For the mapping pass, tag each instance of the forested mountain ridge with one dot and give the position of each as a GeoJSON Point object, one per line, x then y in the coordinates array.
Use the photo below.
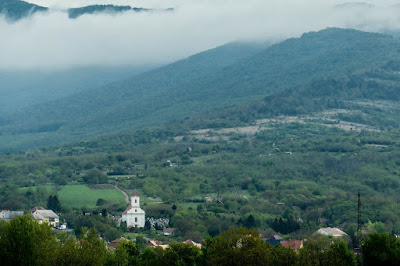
{"type": "Point", "coordinates": [15, 9]}
{"type": "Point", "coordinates": [98, 100]}
{"type": "Point", "coordinates": [22, 88]}
{"type": "Point", "coordinates": [195, 85]}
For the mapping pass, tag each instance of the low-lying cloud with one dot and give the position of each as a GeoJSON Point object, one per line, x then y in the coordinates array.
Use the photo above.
{"type": "Point", "coordinates": [51, 40]}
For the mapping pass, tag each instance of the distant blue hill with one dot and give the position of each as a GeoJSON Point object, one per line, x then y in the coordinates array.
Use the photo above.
{"type": "Point", "coordinates": [77, 12]}
{"type": "Point", "coordinates": [16, 9]}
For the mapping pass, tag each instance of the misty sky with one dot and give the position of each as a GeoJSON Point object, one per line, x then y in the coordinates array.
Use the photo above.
{"type": "Point", "coordinates": [52, 40]}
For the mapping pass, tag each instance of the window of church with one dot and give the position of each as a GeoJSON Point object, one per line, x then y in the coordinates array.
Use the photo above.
{"type": "Point", "coordinates": [135, 219]}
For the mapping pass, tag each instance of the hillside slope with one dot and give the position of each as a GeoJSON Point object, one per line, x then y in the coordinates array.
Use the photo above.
{"type": "Point", "coordinates": [30, 127]}
{"type": "Point", "coordinates": [22, 88]}
{"type": "Point", "coordinates": [202, 83]}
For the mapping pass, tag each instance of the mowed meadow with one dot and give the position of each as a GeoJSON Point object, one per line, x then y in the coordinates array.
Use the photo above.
{"type": "Point", "coordinates": [77, 196]}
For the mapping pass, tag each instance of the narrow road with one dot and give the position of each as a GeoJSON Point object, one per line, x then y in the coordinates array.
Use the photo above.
{"type": "Point", "coordinates": [123, 192]}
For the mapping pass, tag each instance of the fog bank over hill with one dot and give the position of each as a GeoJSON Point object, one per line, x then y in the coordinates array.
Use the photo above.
{"type": "Point", "coordinates": [52, 40]}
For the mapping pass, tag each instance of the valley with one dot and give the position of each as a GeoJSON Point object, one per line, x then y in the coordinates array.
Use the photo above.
{"type": "Point", "coordinates": [286, 138]}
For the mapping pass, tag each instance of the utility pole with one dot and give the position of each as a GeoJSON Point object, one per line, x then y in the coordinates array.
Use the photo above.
{"type": "Point", "coordinates": [359, 219]}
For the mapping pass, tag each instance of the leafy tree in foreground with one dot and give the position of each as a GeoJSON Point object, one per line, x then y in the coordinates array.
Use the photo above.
{"type": "Point", "coordinates": [338, 254]}
{"type": "Point", "coordinates": [181, 254]}
{"type": "Point", "coordinates": [381, 249]}
{"type": "Point", "coordinates": [25, 242]}
{"type": "Point", "coordinates": [238, 246]}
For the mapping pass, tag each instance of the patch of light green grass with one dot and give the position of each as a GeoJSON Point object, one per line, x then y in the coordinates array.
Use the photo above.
{"type": "Point", "coordinates": [81, 195]}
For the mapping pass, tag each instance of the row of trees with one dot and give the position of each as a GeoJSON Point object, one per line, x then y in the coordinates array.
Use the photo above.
{"type": "Point", "coordinates": [25, 242]}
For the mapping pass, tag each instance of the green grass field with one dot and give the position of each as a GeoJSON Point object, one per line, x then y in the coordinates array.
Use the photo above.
{"type": "Point", "coordinates": [81, 195]}
{"type": "Point", "coordinates": [77, 196]}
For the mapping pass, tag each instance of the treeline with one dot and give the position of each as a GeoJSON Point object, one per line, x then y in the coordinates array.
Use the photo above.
{"type": "Point", "coordinates": [25, 242]}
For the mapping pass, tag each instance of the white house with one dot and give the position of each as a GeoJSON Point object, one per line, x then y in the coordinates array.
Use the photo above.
{"type": "Point", "coordinates": [9, 215]}
{"type": "Point", "coordinates": [43, 216]}
{"type": "Point", "coordinates": [328, 231]}
{"type": "Point", "coordinates": [134, 216]}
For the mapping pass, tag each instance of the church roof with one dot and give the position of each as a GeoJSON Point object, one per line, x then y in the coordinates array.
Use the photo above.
{"type": "Point", "coordinates": [127, 209]}
{"type": "Point", "coordinates": [135, 194]}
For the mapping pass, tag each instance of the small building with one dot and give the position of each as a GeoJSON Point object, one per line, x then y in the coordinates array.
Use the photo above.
{"type": "Point", "coordinates": [190, 241]}
{"type": "Point", "coordinates": [292, 244]}
{"type": "Point", "coordinates": [153, 243]}
{"type": "Point", "coordinates": [9, 215]}
{"type": "Point", "coordinates": [274, 240]}
{"type": "Point", "coordinates": [329, 231]}
{"type": "Point", "coordinates": [46, 216]}
{"type": "Point", "coordinates": [168, 231]}
{"type": "Point", "coordinates": [113, 244]}
{"type": "Point", "coordinates": [134, 216]}
{"type": "Point", "coordinates": [3, 213]}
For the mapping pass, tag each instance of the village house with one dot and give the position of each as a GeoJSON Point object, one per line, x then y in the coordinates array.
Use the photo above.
{"type": "Point", "coordinates": [329, 231]}
{"type": "Point", "coordinates": [168, 231]}
{"type": "Point", "coordinates": [46, 216]}
{"type": "Point", "coordinates": [113, 245]}
{"type": "Point", "coordinates": [292, 244]}
{"type": "Point", "coordinates": [134, 216]}
{"type": "Point", "coordinates": [274, 240]}
{"type": "Point", "coordinates": [153, 243]}
{"type": "Point", "coordinates": [190, 241]}
{"type": "Point", "coordinates": [9, 215]}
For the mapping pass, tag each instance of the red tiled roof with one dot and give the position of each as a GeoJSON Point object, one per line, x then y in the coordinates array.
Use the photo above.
{"type": "Point", "coordinates": [293, 244]}
{"type": "Point", "coordinates": [116, 242]}
{"type": "Point", "coordinates": [127, 209]}
{"type": "Point", "coordinates": [135, 194]}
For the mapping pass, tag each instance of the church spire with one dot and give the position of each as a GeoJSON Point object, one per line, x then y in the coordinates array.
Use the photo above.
{"type": "Point", "coordinates": [135, 199]}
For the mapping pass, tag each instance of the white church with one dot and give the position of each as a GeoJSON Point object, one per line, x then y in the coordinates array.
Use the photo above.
{"type": "Point", "coordinates": [134, 216]}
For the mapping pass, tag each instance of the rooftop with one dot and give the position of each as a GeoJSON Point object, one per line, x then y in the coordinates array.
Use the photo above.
{"type": "Point", "coordinates": [292, 244]}
{"type": "Point", "coordinates": [45, 214]}
{"type": "Point", "coordinates": [331, 231]}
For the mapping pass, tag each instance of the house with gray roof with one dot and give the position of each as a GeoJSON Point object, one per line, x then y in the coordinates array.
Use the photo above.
{"type": "Point", "coordinates": [46, 216]}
